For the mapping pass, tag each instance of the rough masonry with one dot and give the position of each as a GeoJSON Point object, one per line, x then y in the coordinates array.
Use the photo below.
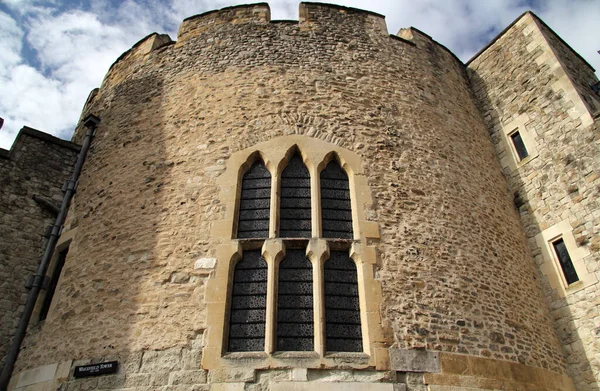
{"type": "Point", "coordinates": [463, 293]}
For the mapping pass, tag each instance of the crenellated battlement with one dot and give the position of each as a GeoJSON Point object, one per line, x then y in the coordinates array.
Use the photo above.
{"type": "Point", "coordinates": [241, 14]}
{"type": "Point", "coordinates": [328, 21]}
{"type": "Point", "coordinates": [445, 272]}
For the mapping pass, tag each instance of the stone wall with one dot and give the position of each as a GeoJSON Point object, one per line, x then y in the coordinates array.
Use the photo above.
{"type": "Point", "coordinates": [522, 84]}
{"type": "Point", "coordinates": [37, 165]}
{"type": "Point", "coordinates": [454, 268]}
{"type": "Point", "coordinates": [581, 74]}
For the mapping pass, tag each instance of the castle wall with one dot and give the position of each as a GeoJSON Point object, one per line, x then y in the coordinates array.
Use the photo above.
{"type": "Point", "coordinates": [455, 272]}
{"type": "Point", "coordinates": [530, 81]}
{"type": "Point", "coordinates": [37, 165]}
{"type": "Point", "coordinates": [581, 74]}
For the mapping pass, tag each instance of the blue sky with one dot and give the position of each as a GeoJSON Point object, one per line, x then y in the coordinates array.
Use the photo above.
{"type": "Point", "coordinates": [54, 52]}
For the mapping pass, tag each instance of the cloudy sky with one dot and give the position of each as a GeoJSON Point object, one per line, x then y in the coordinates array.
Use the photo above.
{"type": "Point", "coordinates": [54, 52]}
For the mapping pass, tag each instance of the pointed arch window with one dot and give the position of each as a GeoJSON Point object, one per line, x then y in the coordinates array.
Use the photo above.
{"type": "Point", "coordinates": [295, 205]}
{"type": "Point", "coordinates": [295, 314]}
{"type": "Point", "coordinates": [310, 300]}
{"type": "Point", "coordinates": [255, 202]}
{"type": "Point", "coordinates": [342, 311]}
{"type": "Point", "coordinates": [336, 210]}
{"type": "Point", "coordinates": [248, 304]}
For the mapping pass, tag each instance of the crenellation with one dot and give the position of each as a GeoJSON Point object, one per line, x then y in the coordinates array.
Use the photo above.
{"type": "Point", "coordinates": [258, 13]}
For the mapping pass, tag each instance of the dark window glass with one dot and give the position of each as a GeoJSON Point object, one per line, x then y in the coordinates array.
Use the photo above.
{"type": "Point", "coordinates": [342, 312]}
{"type": "Point", "coordinates": [60, 262]}
{"type": "Point", "coordinates": [519, 145]}
{"type": "Point", "coordinates": [295, 324]}
{"type": "Point", "coordinates": [294, 220]}
{"type": "Point", "coordinates": [565, 261]}
{"type": "Point", "coordinates": [336, 212]}
{"type": "Point", "coordinates": [248, 304]}
{"type": "Point", "coordinates": [255, 202]}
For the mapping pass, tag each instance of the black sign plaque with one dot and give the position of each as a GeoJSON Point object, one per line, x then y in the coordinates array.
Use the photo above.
{"type": "Point", "coordinates": [96, 369]}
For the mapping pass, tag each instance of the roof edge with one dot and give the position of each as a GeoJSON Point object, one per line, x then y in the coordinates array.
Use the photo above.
{"type": "Point", "coordinates": [26, 130]}
{"type": "Point", "coordinates": [537, 18]}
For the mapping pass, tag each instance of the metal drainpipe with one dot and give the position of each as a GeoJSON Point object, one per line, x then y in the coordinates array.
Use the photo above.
{"type": "Point", "coordinates": [90, 122]}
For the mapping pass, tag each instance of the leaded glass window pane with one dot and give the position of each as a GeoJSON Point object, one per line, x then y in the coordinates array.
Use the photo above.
{"type": "Point", "coordinates": [295, 321]}
{"type": "Point", "coordinates": [336, 211]}
{"type": "Point", "coordinates": [248, 304]}
{"type": "Point", "coordinates": [295, 218]}
{"type": "Point", "coordinates": [342, 311]}
{"type": "Point", "coordinates": [255, 202]}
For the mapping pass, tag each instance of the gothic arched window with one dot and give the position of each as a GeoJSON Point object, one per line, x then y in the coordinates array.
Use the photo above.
{"type": "Point", "coordinates": [255, 202]}
{"type": "Point", "coordinates": [336, 211]}
{"type": "Point", "coordinates": [295, 205]}
{"type": "Point", "coordinates": [301, 291]}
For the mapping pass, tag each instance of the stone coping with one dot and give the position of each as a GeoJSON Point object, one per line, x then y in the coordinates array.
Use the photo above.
{"type": "Point", "coordinates": [26, 130]}
{"type": "Point", "coordinates": [537, 18]}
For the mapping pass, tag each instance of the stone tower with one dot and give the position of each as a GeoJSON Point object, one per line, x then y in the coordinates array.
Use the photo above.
{"type": "Point", "coordinates": [317, 205]}
{"type": "Point", "coordinates": [530, 82]}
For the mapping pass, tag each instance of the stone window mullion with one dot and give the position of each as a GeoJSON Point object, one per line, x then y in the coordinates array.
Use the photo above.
{"type": "Point", "coordinates": [273, 251]}
{"type": "Point", "coordinates": [274, 214]}
{"type": "Point", "coordinates": [315, 197]}
{"type": "Point", "coordinates": [317, 252]}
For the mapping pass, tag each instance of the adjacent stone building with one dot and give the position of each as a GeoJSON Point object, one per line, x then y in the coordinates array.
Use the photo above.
{"type": "Point", "coordinates": [32, 175]}
{"type": "Point", "coordinates": [321, 205]}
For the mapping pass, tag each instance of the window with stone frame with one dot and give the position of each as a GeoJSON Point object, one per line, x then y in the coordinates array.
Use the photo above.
{"type": "Point", "coordinates": [564, 260]}
{"type": "Point", "coordinates": [300, 298]}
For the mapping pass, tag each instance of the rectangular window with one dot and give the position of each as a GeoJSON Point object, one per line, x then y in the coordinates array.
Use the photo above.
{"type": "Point", "coordinates": [60, 262]}
{"type": "Point", "coordinates": [565, 261]}
{"type": "Point", "coordinates": [519, 145]}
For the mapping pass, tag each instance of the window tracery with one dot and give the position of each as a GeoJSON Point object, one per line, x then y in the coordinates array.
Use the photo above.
{"type": "Point", "coordinates": [316, 251]}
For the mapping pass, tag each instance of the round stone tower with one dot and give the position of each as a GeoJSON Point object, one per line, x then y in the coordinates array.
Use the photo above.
{"type": "Point", "coordinates": [288, 205]}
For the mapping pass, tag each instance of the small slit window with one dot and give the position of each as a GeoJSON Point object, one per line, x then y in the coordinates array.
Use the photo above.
{"type": "Point", "coordinates": [295, 220]}
{"type": "Point", "coordinates": [342, 311]}
{"type": "Point", "coordinates": [519, 145]}
{"type": "Point", "coordinates": [255, 202]}
{"type": "Point", "coordinates": [60, 263]}
{"type": "Point", "coordinates": [336, 210]}
{"type": "Point", "coordinates": [248, 304]}
{"type": "Point", "coordinates": [295, 321]}
{"type": "Point", "coordinates": [565, 261]}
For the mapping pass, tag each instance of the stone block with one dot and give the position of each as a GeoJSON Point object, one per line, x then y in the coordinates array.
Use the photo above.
{"type": "Point", "coordinates": [324, 386]}
{"type": "Point", "coordinates": [111, 381]}
{"type": "Point", "coordinates": [187, 387]}
{"type": "Point", "coordinates": [299, 374]}
{"type": "Point", "coordinates": [187, 377]}
{"type": "Point", "coordinates": [227, 387]}
{"type": "Point", "coordinates": [414, 360]}
{"type": "Point", "coordinates": [205, 263]}
{"type": "Point", "coordinates": [161, 360]}
{"type": "Point", "coordinates": [232, 375]}
{"type": "Point", "coordinates": [36, 375]}
{"type": "Point", "coordinates": [138, 380]}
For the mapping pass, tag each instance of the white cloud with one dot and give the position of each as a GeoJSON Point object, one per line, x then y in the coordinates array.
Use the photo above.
{"type": "Point", "coordinates": [75, 48]}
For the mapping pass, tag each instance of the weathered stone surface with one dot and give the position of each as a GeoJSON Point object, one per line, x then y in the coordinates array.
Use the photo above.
{"type": "Point", "coordinates": [453, 270]}
{"type": "Point", "coordinates": [205, 263]}
{"type": "Point", "coordinates": [310, 386]}
{"type": "Point", "coordinates": [530, 73]}
{"type": "Point", "coordinates": [187, 377]}
{"type": "Point", "coordinates": [37, 165]}
{"type": "Point", "coordinates": [414, 360]}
